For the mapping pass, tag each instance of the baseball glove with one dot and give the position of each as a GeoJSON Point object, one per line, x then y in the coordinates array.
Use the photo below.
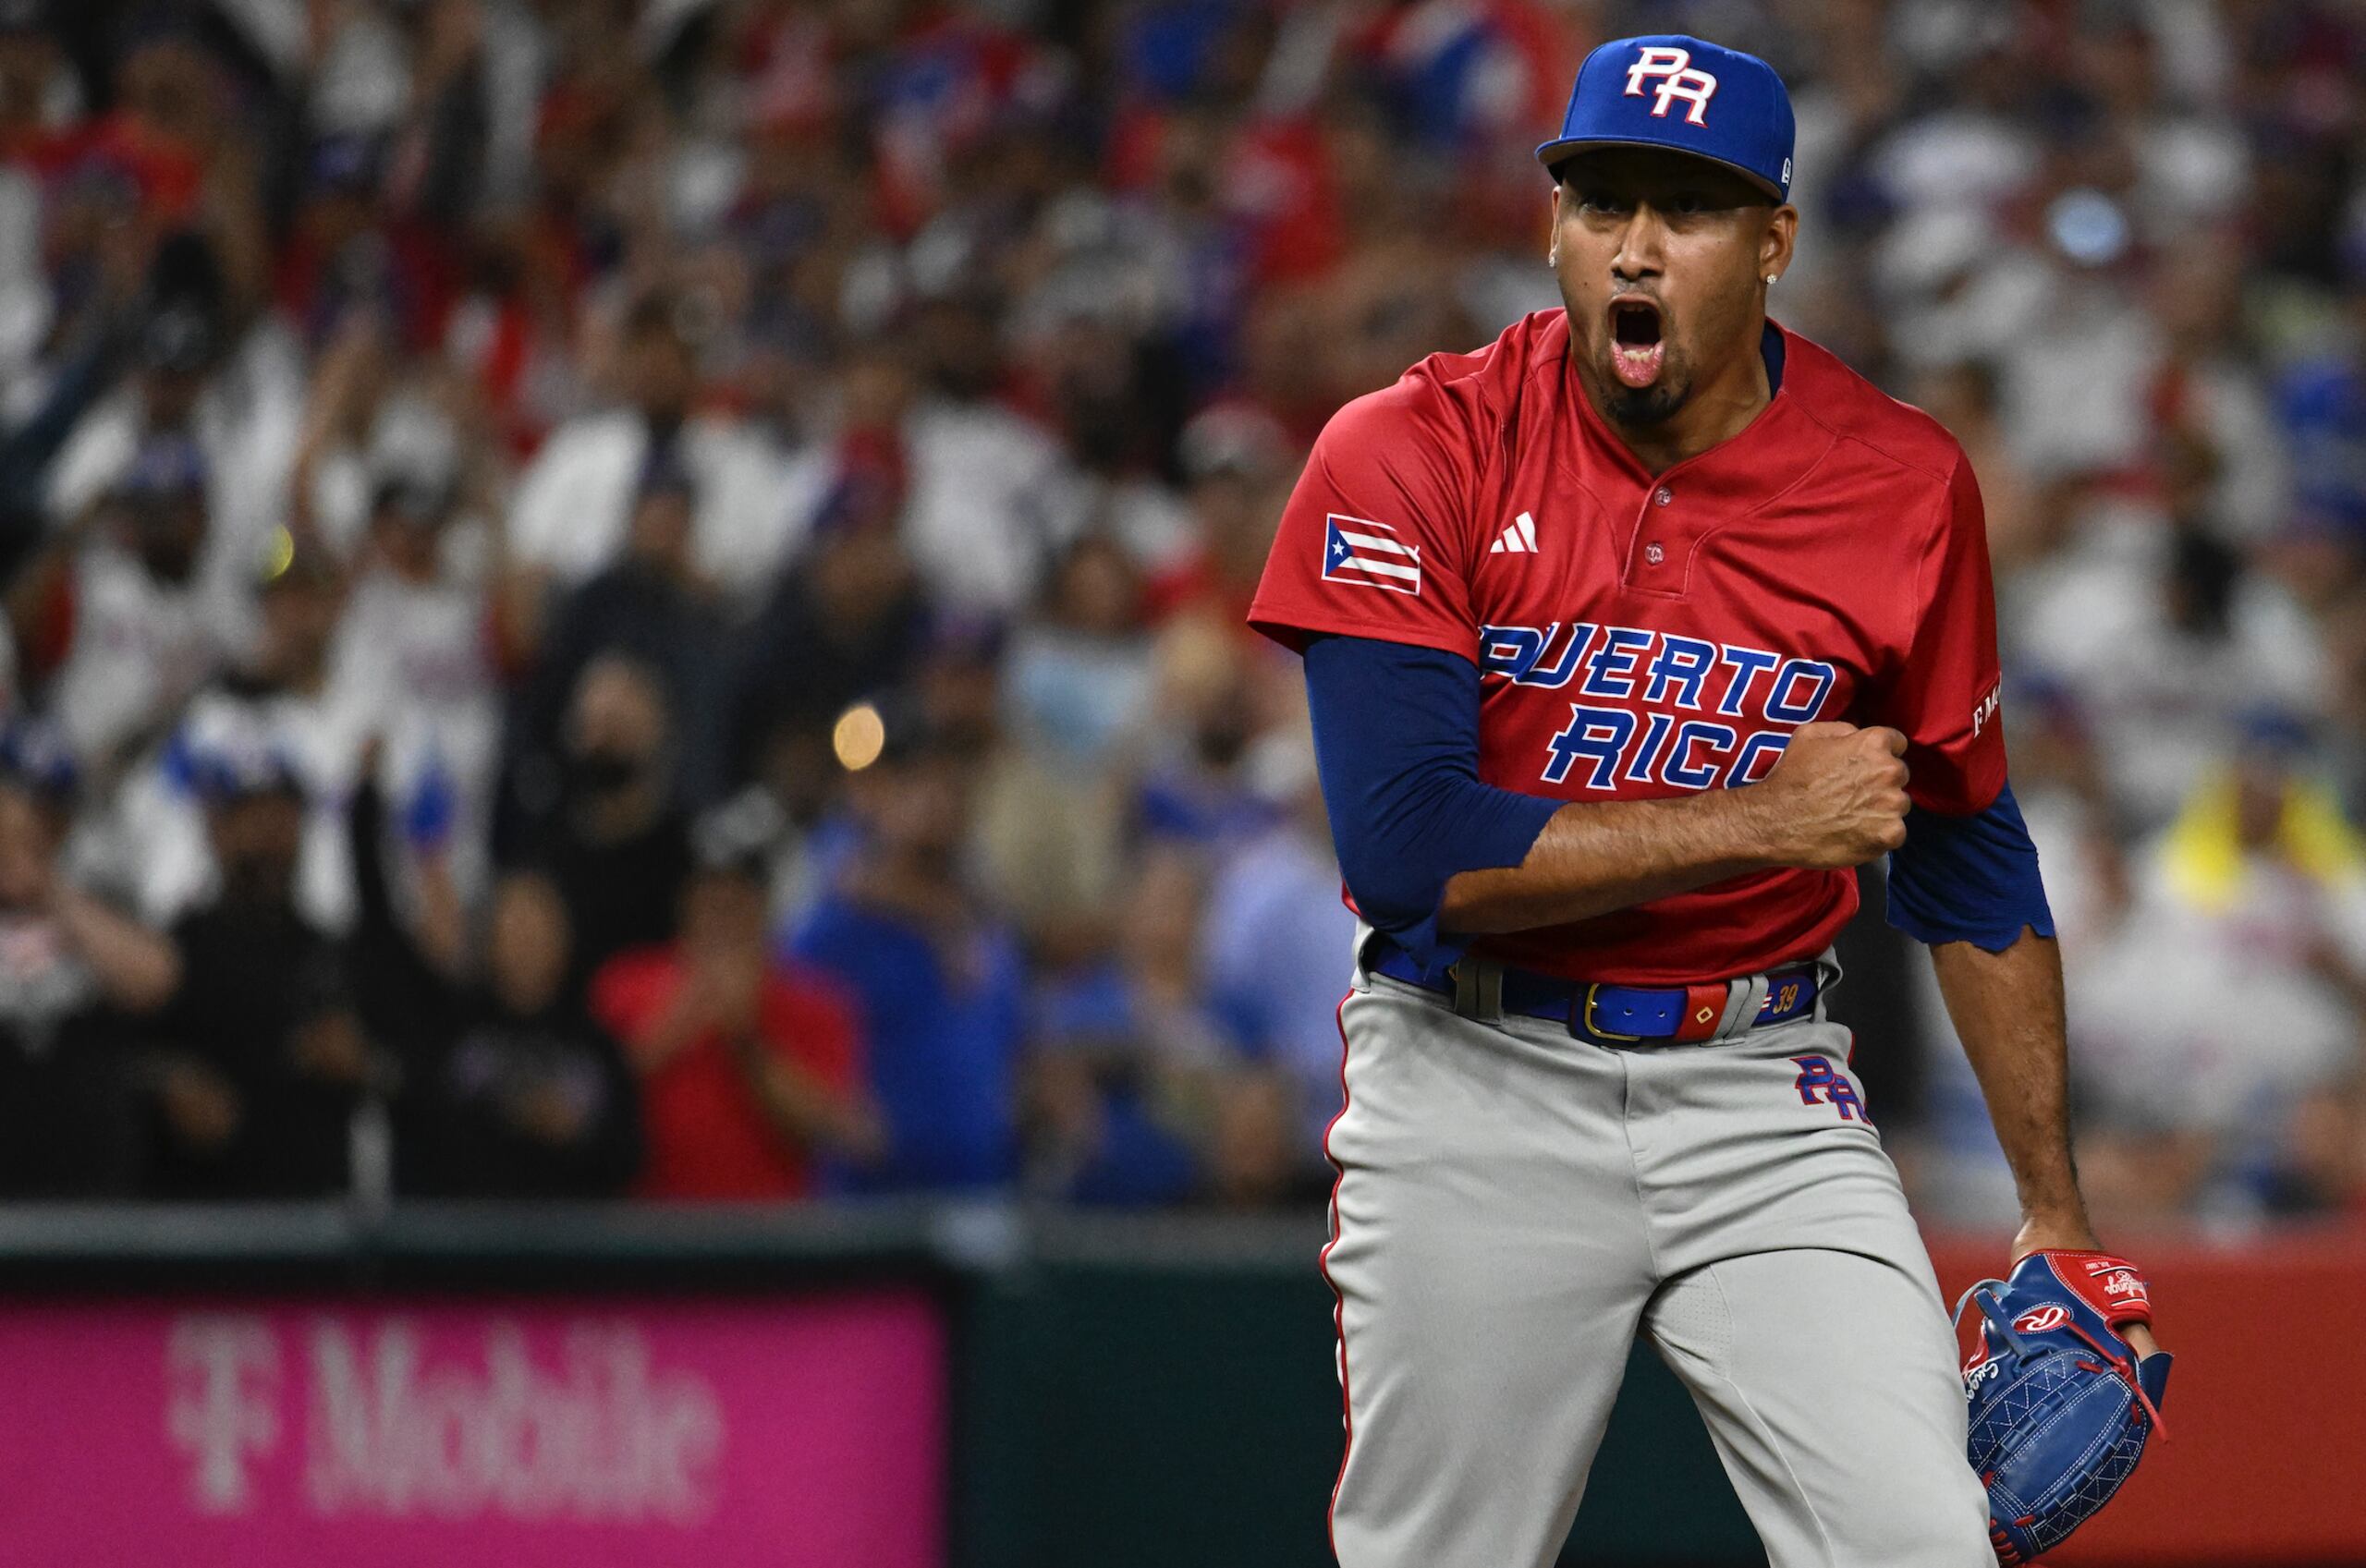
{"type": "Point", "coordinates": [2060, 1407]}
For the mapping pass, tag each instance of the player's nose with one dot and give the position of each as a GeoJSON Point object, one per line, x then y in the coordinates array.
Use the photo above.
{"type": "Point", "coordinates": [1642, 245]}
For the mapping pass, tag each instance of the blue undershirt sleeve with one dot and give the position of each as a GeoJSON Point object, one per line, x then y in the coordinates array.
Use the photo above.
{"type": "Point", "coordinates": [1969, 879]}
{"type": "Point", "coordinates": [1396, 746]}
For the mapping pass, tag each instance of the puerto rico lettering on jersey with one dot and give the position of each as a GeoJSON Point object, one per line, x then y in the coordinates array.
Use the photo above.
{"type": "Point", "coordinates": [1747, 701]}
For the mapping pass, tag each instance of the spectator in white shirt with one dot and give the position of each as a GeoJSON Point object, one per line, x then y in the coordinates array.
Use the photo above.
{"type": "Point", "coordinates": [115, 603]}
{"type": "Point", "coordinates": [413, 663]}
{"type": "Point", "coordinates": [987, 482]}
{"type": "Point", "coordinates": [278, 701]}
{"type": "Point", "coordinates": [574, 502]}
{"type": "Point", "coordinates": [241, 403]}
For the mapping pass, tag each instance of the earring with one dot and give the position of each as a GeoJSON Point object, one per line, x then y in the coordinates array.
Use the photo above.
{"type": "Point", "coordinates": [1770, 280]}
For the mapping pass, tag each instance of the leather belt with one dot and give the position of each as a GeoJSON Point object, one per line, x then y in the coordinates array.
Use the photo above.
{"type": "Point", "coordinates": [1616, 1014]}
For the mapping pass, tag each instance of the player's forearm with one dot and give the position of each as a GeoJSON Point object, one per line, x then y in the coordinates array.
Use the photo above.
{"type": "Point", "coordinates": [2008, 1010]}
{"type": "Point", "coordinates": [1595, 858]}
{"type": "Point", "coordinates": [1835, 799]}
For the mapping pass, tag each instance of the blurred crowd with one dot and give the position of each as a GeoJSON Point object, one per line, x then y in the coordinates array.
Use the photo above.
{"type": "Point", "coordinates": [644, 596]}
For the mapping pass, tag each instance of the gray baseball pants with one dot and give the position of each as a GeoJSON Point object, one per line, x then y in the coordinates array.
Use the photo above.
{"type": "Point", "coordinates": [1515, 1204]}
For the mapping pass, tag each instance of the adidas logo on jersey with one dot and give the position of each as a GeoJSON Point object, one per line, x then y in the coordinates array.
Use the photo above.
{"type": "Point", "coordinates": [1519, 539]}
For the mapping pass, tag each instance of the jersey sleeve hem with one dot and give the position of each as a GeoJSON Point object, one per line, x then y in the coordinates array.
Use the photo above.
{"type": "Point", "coordinates": [1980, 795]}
{"type": "Point", "coordinates": [1291, 628]}
{"type": "Point", "coordinates": [1987, 938]}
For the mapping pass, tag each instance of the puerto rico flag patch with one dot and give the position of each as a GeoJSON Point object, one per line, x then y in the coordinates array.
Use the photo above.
{"type": "Point", "coordinates": [1355, 551]}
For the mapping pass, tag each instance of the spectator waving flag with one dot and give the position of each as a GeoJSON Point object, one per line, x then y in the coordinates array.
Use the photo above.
{"type": "Point", "coordinates": [1359, 552]}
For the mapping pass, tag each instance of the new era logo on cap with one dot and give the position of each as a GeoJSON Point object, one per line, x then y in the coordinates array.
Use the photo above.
{"type": "Point", "coordinates": [1686, 95]}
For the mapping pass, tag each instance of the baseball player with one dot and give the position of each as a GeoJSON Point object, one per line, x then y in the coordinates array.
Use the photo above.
{"type": "Point", "coordinates": [1628, 639]}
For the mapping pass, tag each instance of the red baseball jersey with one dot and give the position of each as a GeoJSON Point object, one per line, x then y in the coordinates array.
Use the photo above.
{"type": "Point", "coordinates": [1640, 637]}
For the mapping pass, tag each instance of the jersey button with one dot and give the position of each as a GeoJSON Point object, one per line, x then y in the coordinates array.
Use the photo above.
{"type": "Point", "coordinates": [1663, 496]}
{"type": "Point", "coordinates": [1654, 554]}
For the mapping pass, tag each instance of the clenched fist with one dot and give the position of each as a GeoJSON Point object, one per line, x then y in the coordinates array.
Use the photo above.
{"type": "Point", "coordinates": [1836, 798]}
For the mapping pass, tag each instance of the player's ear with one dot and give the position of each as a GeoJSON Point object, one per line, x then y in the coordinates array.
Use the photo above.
{"type": "Point", "coordinates": [1776, 240]}
{"type": "Point", "coordinates": [1553, 255]}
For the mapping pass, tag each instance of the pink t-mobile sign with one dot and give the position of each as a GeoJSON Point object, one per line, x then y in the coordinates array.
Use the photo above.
{"type": "Point", "coordinates": [533, 1434]}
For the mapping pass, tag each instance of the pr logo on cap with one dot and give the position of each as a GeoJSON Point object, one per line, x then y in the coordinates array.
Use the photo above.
{"type": "Point", "coordinates": [1677, 80]}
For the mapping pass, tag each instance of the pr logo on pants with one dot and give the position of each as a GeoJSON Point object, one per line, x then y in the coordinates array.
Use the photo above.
{"type": "Point", "coordinates": [1820, 1085]}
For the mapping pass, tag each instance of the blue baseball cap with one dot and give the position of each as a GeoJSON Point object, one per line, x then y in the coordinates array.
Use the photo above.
{"type": "Point", "coordinates": [1686, 95]}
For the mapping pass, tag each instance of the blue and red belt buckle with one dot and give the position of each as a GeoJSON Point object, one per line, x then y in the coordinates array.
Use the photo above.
{"type": "Point", "coordinates": [1704, 1008]}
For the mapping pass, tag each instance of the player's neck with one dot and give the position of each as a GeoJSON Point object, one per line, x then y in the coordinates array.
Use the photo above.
{"type": "Point", "coordinates": [1719, 409]}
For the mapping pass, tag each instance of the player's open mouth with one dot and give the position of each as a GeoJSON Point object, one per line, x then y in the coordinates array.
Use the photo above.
{"type": "Point", "coordinates": [1637, 349]}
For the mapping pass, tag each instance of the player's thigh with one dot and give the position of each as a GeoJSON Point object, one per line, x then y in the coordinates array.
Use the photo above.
{"type": "Point", "coordinates": [1490, 1264]}
{"type": "Point", "coordinates": [1828, 1381]}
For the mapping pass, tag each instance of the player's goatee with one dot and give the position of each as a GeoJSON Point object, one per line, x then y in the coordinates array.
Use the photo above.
{"type": "Point", "coordinates": [1645, 405]}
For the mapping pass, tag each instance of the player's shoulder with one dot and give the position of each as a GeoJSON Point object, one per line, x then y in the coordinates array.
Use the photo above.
{"type": "Point", "coordinates": [1452, 403]}
{"type": "Point", "coordinates": [1886, 432]}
